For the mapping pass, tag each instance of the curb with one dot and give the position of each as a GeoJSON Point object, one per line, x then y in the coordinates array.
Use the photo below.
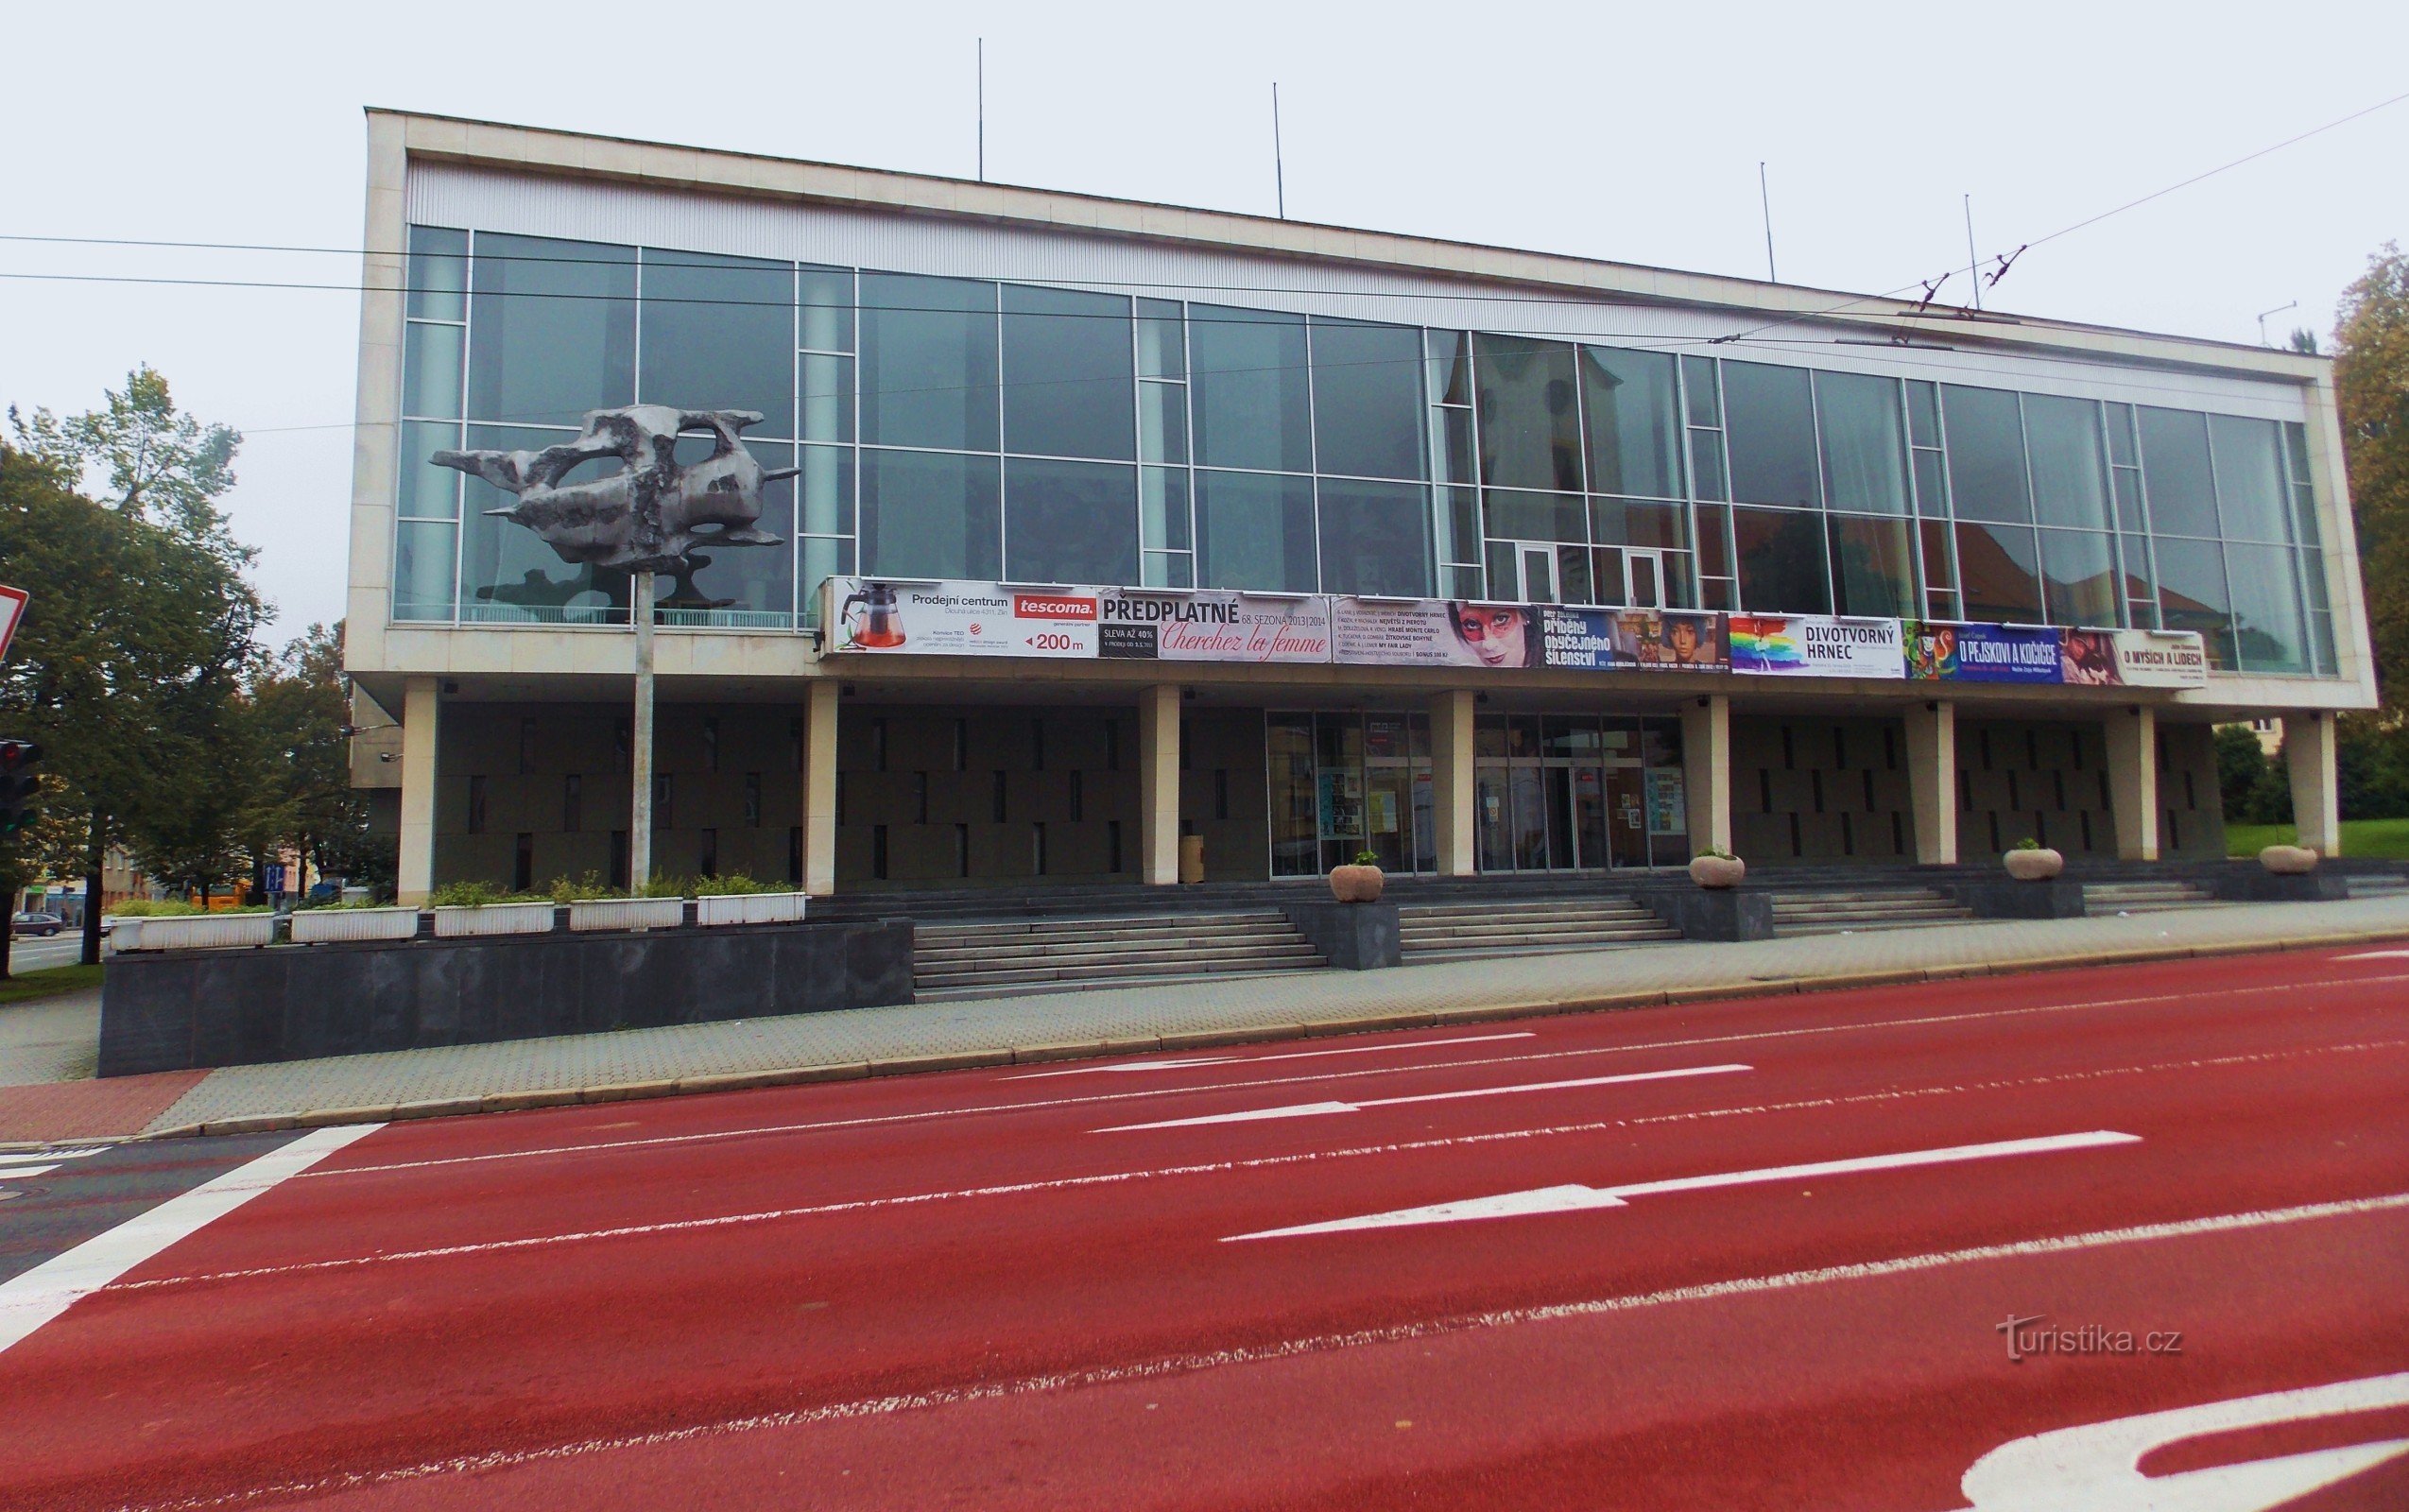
{"type": "Point", "coordinates": [1218, 1039]}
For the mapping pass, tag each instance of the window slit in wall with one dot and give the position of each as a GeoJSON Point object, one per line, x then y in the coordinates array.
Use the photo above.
{"type": "Point", "coordinates": [1002, 787]}
{"type": "Point", "coordinates": [1789, 753]}
{"type": "Point", "coordinates": [1814, 786]}
{"type": "Point", "coordinates": [1764, 790]}
{"type": "Point", "coordinates": [1798, 846]}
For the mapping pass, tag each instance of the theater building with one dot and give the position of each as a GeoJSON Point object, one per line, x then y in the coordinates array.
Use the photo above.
{"type": "Point", "coordinates": [1108, 525]}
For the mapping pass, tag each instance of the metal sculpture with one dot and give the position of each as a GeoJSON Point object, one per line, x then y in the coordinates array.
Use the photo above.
{"type": "Point", "coordinates": [652, 515]}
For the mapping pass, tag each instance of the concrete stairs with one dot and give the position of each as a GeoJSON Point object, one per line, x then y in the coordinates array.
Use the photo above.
{"type": "Point", "coordinates": [2107, 898]}
{"type": "Point", "coordinates": [1000, 958]}
{"type": "Point", "coordinates": [1845, 910]}
{"type": "Point", "coordinates": [2377, 885]}
{"type": "Point", "coordinates": [1523, 926]}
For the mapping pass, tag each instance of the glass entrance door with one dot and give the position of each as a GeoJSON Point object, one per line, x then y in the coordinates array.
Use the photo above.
{"type": "Point", "coordinates": [1627, 815]}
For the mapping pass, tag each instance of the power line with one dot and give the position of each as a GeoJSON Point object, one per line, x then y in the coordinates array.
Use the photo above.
{"type": "Point", "coordinates": [2006, 258]}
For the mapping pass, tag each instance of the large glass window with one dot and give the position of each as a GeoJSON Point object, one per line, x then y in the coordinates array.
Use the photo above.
{"type": "Point", "coordinates": [556, 330]}
{"type": "Point", "coordinates": [1070, 522]}
{"type": "Point", "coordinates": [423, 553]}
{"type": "Point", "coordinates": [1782, 561]}
{"type": "Point", "coordinates": [928, 362]}
{"type": "Point", "coordinates": [2267, 626]}
{"type": "Point", "coordinates": [1248, 389]}
{"type": "Point", "coordinates": [1515, 515]}
{"type": "Point", "coordinates": [438, 273]}
{"type": "Point", "coordinates": [1368, 398]}
{"type": "Point", "coordinates": [1769, 420]}
{"type": "Point", "coordinates": [2192, 591]}
{"type": "Point", "coordinates": [1986, 455]}
{"type": "Point", "coordinates": [1255, 530]}
{"type": "Point", "coordinates": [2070, 483]}
{"type": "Point", "coordinates": [1633, 401]}
{"type": "Point", "coordinates": [2079, 572]}
{"type": "Point", "coordinates": [2249, 479]}
{"type": "Point", "coordinates": [1873, 566]}
{"type": "Point", "coordinates": [1530, 418]}
{"type": "Point", "coordinates": [2175, 469]}
{"type": "Point", "coordinates": [930, 514]}
{"type": "Point", "coordinates": [1865, 455]}
{"type": "Point", "coordinates": [1375, 538]}
{"type": "Point", "coordinates": [1999, 573]}
{"type": "Point", "coordinates": [719, 333]}
{"type": "Point", "coordinates": [1068, 372]}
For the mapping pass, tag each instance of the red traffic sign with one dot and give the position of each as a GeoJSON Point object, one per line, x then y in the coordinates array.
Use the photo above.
{"type": "Point", "coordinates": [13, 608]}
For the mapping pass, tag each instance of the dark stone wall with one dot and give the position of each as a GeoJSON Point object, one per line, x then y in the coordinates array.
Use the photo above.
{"type": "Point", "coordinates": [1822, 790]}
{"type": "Point", "coordinates": [2037, 780]}
{"type": "Point", "coordinates": [175, 1011]}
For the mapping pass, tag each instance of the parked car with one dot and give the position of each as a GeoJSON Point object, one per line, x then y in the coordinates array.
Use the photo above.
{"type": "Point", "coordinates": [43, 924]}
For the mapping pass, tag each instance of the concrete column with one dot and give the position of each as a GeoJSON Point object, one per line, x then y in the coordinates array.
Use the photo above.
{"type": "Point", "coordinates": [1451, 781]}
{"type": "Point", "coordinates": [1706, 771]}
{"type": "Point", "coordinates": [1158, 784]}
{"type": "Point", "coordinates": [2316, 803]}
{"type": "Point", "coordinates": [2132, 780]}
{"type": "Point", "coordinates": [422, 714]}
{"type": "Point", "coordinates": [1932, 777]}
{"type": "Point", "coordinates": [819, 787]}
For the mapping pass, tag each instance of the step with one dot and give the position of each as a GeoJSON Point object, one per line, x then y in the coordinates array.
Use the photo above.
{"type": "Point", "coordinates": [1469, 934]}
{"type": "Point", "coordinates": [1113, 972]}
{"type": "Point", "coordinates": [1136, 938]}
{"type": "Point", "coordinates": [924, 993]}
{"type": "Point", "coordinates": [975, 961]}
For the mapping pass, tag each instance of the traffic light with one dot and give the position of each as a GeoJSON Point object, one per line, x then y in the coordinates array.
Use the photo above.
{"type": "Point", "coordinates": [18, 785]}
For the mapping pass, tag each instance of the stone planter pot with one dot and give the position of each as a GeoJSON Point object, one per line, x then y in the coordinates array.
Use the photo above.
{"type": "Point", "coordinates": [2289, 860]}
{"type": "Point", "coordinates": [1357, 884]}
{"type": "Point", "coordinates": [318, 926]}
{"type": "Point", "coordinates": [1717, 872]}
{"type": "Point", "coordinates": [208, 931]}
{"type": "Point", "coordinates": [493, 918]}
{"type": "Point", "coordinates": [750, 908]}
{"type": "Point", "coordinates": [627, 913]}
{"type": "Point", "coordinates": [2035, 866]}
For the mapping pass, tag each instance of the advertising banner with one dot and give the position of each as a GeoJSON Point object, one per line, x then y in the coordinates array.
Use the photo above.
{"type": "Point", "coordinates": [1432, 632]}
{"type": "Point", "coordinates": [1938, 652]}
{"type": "Point", "coordinates": [2134, 659]}
{"type": "Point", "coordinates": [1615, 640]}
{"type": "Point", "coordinates": [1206, 626]}
{"type": "Point", "coordinates": [958, 619]}
{"type": "Point", "coordinates": [1816, 645]}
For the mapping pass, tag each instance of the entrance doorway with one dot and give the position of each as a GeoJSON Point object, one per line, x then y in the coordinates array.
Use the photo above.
{"type": "Point", "coordinates": [1579, 793]}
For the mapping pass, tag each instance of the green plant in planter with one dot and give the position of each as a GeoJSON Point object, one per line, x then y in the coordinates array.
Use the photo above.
{"type": "Point", "coordinates": [471, 895]}
{"type": "Point", "coordinates": [733, 884]}
{"type": "Point", "coordinates": [2028, 843]}
{"type": "Point", "coordinates": [1717, 852]}
{"type": "Point", "coordinates": [1367, 858]}
{"type": "Point", "coordinates": [150, 909]}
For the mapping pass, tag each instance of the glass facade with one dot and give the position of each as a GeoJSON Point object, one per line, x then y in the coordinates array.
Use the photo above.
{"type": "Point", "coordinates": [1577, 792]}
{"type": "Point", "coordinates": [971, 428]}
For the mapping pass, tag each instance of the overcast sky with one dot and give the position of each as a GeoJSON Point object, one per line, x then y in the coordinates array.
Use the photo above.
{"type": "Point", "coordinates": [1603, 131]}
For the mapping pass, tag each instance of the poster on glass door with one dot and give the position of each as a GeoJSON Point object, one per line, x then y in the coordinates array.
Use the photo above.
{"type": "Point", "coordinates": [1207, 626]}
{"type": "Point", "coordinates": [1816, 645]}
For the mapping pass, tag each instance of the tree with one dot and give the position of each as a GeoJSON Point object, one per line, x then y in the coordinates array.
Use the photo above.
{"type": "Point", "coordinates": [2371, 384]}
{"type": "Point", "coordinates": [2241, 765]}
{"type": "Point", "coordinates": [162, 465]}
{"type": "Point", "coordinates": [129, 652]}
{"type": "Point", "coordinates": [298, 711]}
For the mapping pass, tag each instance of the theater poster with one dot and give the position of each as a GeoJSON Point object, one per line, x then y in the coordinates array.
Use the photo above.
{"type": "Point", "coordinates": [1205, 625]}
{"type": "Point", "coordinates": [1942, 651]}
{"type": "Point", "coordinates": [1816, 645]}
{"type": "Point", "coordinates": [1434, 632]}
{"type": "Point", "coordinates": [2133, 658]}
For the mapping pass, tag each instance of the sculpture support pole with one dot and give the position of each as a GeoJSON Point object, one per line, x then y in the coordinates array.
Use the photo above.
{"type": "Point", "coordinates": [639, 741]}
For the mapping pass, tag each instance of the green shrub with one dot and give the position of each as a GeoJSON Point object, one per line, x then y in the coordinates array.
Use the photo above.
{"type": "Point", "coordinates": [150, 908]}
{"type": "Point", "coordinates": [577, 890]}
{"type": "Point", "coordinates": [473, 895]}
{"type": "Point", "coordinates": [733, 884]}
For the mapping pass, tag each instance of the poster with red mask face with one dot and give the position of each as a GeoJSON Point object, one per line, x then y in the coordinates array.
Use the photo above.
{"type": "Point", "coordinates": [1432, 632]}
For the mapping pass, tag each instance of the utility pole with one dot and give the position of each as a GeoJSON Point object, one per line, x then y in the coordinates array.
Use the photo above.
{"type": "Point", "coordinates": [640, 742]}
{"type": "Point", "coordinates": [1764, 197]}
{"type": "Point", "coordinates": [1279, 170]}
{"type": "Point", "coordinates": [1973, 260]}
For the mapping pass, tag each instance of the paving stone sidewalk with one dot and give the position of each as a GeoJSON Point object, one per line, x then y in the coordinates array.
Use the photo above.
{"type": "Point", "coordinates": [1053, 1026]}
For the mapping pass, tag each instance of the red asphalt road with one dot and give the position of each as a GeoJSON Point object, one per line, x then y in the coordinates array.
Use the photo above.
{"type": "Point", "coordinates": [957, 1291]}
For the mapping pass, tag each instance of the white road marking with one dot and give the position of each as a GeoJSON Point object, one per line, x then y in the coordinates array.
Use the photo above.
{"type": "Point", "coordinates": [2374, 956]}
{"type": "Point", "coordinates": [1580, 1198]}
{"type": "Point", "coordinates": [24, 1173]}
{"type": "Point", "coordinates": [878, 1120]}
{"type": "Point", "coordinates": [1312, 1345]}
{"type": "Point", "coordinates": [34, 1297]}
{"type": "Point", "coordinates": [1183, 1062]}
{"type": "Point", "coordinates": [1258, 1163]}
{"type": "Point", "coordinates": [1315, 1110]}
{"type": "Point", "coordinates": [2097, 1466]}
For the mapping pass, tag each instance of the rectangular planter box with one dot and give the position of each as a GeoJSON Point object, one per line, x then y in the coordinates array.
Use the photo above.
{"type": "Point", "coordinates": [314, 926]}
{"type": "Point", "coordinates": [627, 913]}
{"type": "Point", "coordinates": [208, 931]}
{"type": "Point", "coordinates": [493, 918]}
{"type": "Point", "coordinates": [125, 934]}
{"type": "Point", "coordinates": [750, 908]}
